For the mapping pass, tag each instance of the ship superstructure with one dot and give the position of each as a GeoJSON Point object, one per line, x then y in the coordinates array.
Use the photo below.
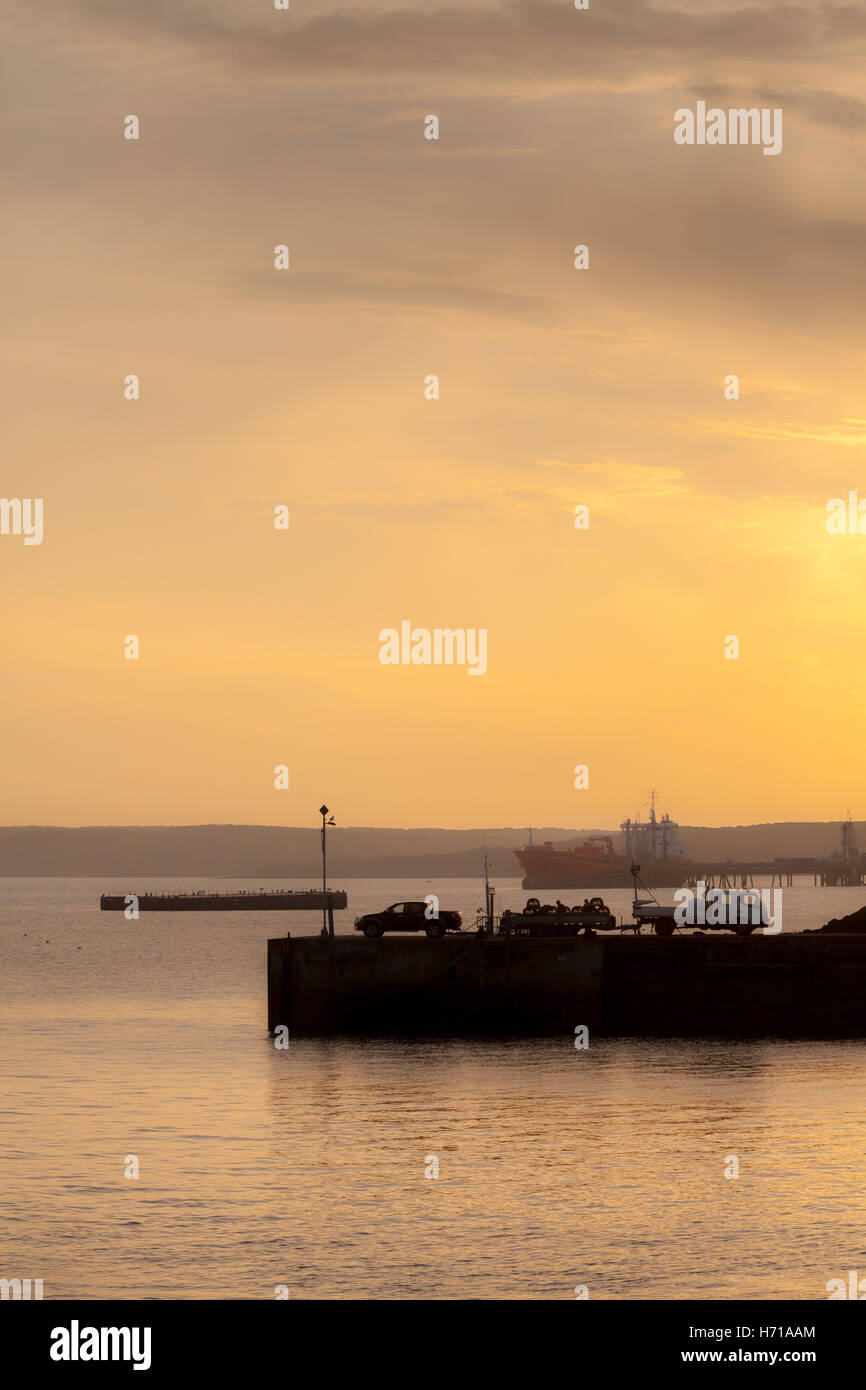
{"type": "Point", "coordinates": [656, 838]}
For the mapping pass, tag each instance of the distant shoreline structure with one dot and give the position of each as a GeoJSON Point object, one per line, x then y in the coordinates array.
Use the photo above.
{"type": "Point", "coordinates": [225, 852]}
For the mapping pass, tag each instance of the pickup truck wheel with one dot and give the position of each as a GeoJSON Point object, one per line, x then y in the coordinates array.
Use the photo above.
{"type": "Point", "coordinates": [374, 928]}
{"type": "Point", "coordinates": [664, 927]}
{"type": "Point", "coordinates": [744, 929]}
{"type": "Point", "coordinates": [435, 930]}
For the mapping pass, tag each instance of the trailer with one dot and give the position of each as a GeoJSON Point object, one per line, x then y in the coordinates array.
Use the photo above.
{"type": "Point", "coordinates": [740, 910]}
{"type": "Point", "coordinates": [537, 919]}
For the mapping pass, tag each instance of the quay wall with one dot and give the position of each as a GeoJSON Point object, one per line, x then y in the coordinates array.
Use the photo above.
{"type": "Point", "coordinates": [798, 985]}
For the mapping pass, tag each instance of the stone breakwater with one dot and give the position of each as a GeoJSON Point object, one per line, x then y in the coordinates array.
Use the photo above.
{"type": "Point", "coordinates": [794, 985]}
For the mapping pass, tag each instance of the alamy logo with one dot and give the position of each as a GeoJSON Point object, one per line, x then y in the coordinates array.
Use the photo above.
{"type": "Point", "coordinates": [737, 126]}
{"type": "Point", "coordinates": [443, 646]}
{"type": "Point", "coordinates": [20, 1289]}
{"type": "Point", "coordinates": [856, 1287]}
{"type": "Point", "coordinates": [76, 1343]}
{"type": "Point", "coordinates": [22, 516]}
{"type": "Point", "coordinates": [846, 518]}
{"type": "Point", "coordinates": [756, 907]}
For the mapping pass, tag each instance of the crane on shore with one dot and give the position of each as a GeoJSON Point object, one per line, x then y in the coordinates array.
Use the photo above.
{"type": "Point", "coordinates": [850, 843]}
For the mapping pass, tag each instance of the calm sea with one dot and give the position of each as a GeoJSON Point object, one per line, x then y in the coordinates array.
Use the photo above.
{"type": "Point", "coordinates": [306, 1167]}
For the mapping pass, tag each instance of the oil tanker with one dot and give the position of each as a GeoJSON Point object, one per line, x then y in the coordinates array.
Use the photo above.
{"type": "Point", "coordinates": [653, 843]}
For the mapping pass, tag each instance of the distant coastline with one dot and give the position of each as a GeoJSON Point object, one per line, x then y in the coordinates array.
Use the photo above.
{"type": "Point", "coordinates": [275, 852]}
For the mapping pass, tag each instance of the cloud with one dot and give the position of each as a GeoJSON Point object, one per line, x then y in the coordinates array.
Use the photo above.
{"type": "Point", "coordinates": [388, 292]}
{"type": "Point", "coordinates": [847, 432]}
{"type": "Point", "coordinates": [512, 43]}
{"type": "Point", "coordinates": [779, 390]}
{"type": "Point", "coordinates": [835, 110]}
{"type": "Point", "coordinates": [485, 152]}
{"type": "Point", "coordinates": [606, 485]}
{"type": "Point", "coordinates": [610, 483]}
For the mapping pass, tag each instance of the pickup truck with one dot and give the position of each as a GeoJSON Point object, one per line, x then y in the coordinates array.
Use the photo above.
{"type": "Point", "coordinates": [408, 917]}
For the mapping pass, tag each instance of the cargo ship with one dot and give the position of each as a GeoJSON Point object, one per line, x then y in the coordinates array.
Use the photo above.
{"type": "Point", "coordinates": [594, 863]}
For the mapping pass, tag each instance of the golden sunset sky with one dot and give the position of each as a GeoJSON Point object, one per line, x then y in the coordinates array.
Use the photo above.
{"type": "Point", "coordinates": [558, 387]}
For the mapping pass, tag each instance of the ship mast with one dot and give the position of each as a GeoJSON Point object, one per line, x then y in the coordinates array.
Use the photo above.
{"type": "Point", "coordinates": [488, 895]}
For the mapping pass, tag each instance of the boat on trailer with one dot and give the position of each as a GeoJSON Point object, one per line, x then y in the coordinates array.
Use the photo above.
{"type": "Point", "coordinates": [741, 911]}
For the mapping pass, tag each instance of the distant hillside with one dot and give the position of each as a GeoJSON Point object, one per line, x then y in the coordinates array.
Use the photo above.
{"type": "Point", "coordinates": [255, 851]}
{"type": "Point", "coordinates": [792, 839]}
{"type": "Point", "coordinates": [462, 863]}
{"type": "Point", "coordinates": [235, 850]}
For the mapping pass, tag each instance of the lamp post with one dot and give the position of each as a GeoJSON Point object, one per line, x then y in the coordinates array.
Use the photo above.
{"type": "Point", "coordinates": [323, 812]}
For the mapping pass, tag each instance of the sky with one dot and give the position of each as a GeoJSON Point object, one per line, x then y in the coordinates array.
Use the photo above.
{"type": "Point", "coordinates": [558, 388]}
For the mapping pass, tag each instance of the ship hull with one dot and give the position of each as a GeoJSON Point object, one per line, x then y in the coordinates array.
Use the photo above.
{"type": "Point", "coordinates": [654, 876]}
{"type": "Point", "coordinates": [563, 870]}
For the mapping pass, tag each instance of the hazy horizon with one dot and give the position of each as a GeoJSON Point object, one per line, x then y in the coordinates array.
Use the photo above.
{"type": "Point", "coordinates": [409, 829]}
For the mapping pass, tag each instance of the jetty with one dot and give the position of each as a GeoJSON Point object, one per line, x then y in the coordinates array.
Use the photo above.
{"type": "Point", "coordinates": [809, 984]}
{"type": "Point", "coordinates": [825, 873]}
{"type": "Point", "coordinates": [247, 900]}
